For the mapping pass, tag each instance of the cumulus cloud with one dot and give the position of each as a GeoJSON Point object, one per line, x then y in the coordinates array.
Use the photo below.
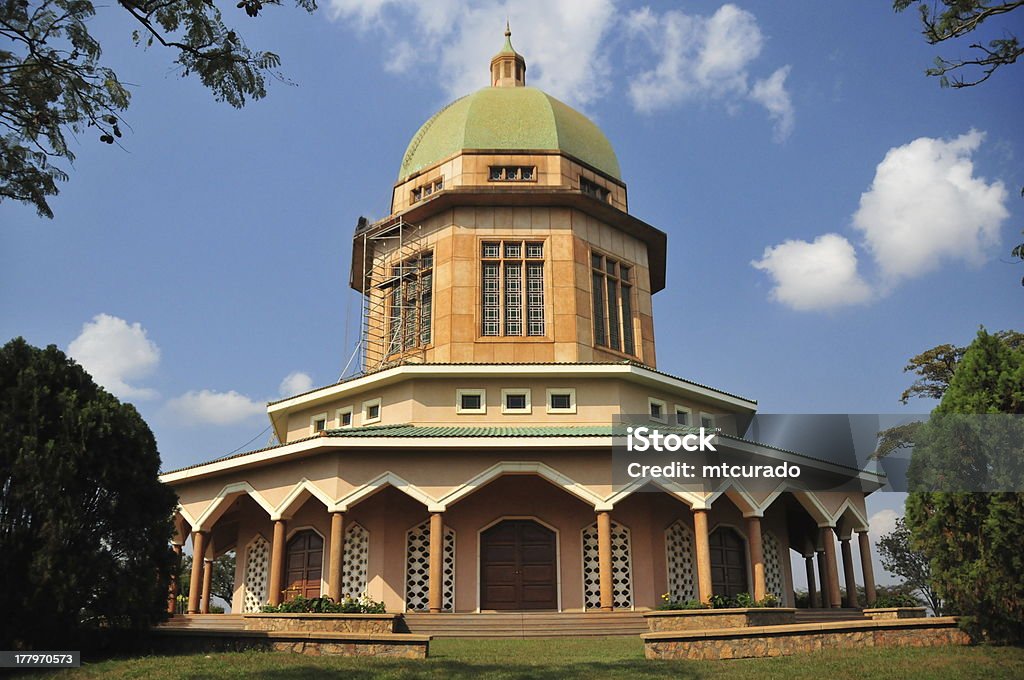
{"type": "Point", "coordinates": [706, 58]}
{"type": "Point", "coordinates": [114, 352]}
{"type": "Point", "coordinates": [925, 205]}
{"type": "Point", "coordinates": [295, 382]}
{"type": "Point", "coordinates": [816, 275]}
{"type": "Point", "coordinates": [208, 407]}
{"type": "Point", "coordinates": [883, 522]}
{"type": "Point", "coordinates": [454, 40]}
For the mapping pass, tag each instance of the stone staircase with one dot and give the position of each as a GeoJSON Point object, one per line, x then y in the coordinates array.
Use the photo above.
{"type": "Point", "coordinates": [205, 622]}
{"type": "Point", "coordinates": [525, 624]}
{"type": "Point", "coordinates": [828, 615]}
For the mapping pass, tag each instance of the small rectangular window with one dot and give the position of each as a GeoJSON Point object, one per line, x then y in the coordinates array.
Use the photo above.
{"type": "Point", "coordinates": [561, 400]}
{"type": "Point", "coordinates": [656, 409]}
{"type": "Point", "coordinates": [513, 250]}
{"type": "Point", "coordinates": [318, 423]}
{"type": "Point", "coordinates": [491, 249]}
{"type": "Point", "coordinates": [684, 416]}
{"type": "Point", "coordinates": [534, 250]}
{"type": "Point", "coordinates": [343, 417]}
{"type": "Point", "coordinates": [470, 401]}
{"type": "Point", "coordinates": [707, 421]}
{"type": "Point", "coordinates": [371, 411]}
{"type": "Point", "coordinates": [515, 401]}
{"type": "Point", "coordinates": [496, 173]}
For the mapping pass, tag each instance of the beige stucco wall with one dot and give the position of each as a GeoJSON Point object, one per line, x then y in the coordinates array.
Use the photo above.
{"type": "Point", "coordinates": [433, 401]}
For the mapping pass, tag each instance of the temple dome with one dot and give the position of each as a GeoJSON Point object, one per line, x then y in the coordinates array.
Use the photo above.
{"type": "Point", "coordinates": [509, 119]}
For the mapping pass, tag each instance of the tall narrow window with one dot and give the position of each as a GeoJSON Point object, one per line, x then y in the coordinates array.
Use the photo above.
{"type": "Point", "coordinates": [512, 288]}
{"type": "Point", "coordinates": [613, 307]}
{"type": "Point", "coordinates": [410, 303]}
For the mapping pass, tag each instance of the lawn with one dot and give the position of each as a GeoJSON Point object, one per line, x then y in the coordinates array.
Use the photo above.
{"type": "Point", "coordinates": [560, 659]}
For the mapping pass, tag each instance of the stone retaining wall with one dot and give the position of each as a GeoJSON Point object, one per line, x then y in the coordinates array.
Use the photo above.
{"type": "Point", "coordinates": [890, 613]}
{"type": "Point", "coordinates": [739, 643]}
{"type": "Point", "coordinates": [713, 619]}
{"type": "Point", "coordinates": [323, 623]}
{"type": "Point", "coordinates": [394, 645]}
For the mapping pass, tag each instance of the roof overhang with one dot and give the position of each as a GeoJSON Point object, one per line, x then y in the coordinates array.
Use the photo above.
{"type": "Point", "coordinates": [655, 239]}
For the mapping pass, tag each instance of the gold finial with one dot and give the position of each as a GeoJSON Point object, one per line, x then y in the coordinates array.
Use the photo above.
{"type": "Point", "coordinates": [508, 31]}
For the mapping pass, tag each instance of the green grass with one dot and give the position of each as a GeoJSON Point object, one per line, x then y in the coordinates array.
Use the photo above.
{"type": "Point", "coordinates": [559, 659]}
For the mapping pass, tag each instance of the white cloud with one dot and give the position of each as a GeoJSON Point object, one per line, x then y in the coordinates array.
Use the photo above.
{"type": "Point", "coordinates": [925, 205]}
{"type": "Point", "coordinates": [771, 94]}
{"type": "Point", "coordinates": [706, 58]}
{"type": "Point", "coordinates": [814, 276]}
{"type": "Point", "coordinates": [454, 40]}
{"type": "Point", "coordinates": [207, 407]}
{"type": "Point", "coordinates": [114, 352]}
{"type": "Point", "coordinates": [295, 382]}
{"type": "Point", "coordinates": [883, 522]}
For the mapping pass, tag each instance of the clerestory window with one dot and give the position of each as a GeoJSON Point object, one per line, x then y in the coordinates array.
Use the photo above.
{"type": "Point", "coordinates": [612, 292]}
{"type": "Point", "coordinates": [410, 303]}
{"type": "Point", "coordinates": [512, 288]}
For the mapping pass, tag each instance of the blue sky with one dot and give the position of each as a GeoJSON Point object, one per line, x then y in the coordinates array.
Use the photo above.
{"type": "Point", "coordinates": [831, 210]}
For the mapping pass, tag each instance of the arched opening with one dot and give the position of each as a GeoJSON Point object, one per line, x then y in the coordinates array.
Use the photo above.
{"type": "Point", "coordinates": [728, 562]}
{"type": "Point", "coordinates": [518, 566]}
{"type": "Point", "coordinates": [304, 564]}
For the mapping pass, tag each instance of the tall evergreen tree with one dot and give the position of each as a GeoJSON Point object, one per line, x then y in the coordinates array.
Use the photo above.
{"type": "Point", "coordinates": [84, 520]}
{"type": "Point", "coordinates": [973, 540]}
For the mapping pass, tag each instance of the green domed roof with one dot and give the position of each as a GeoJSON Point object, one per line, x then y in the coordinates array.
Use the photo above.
{"type": "Point", "coordinates": [513, 119]}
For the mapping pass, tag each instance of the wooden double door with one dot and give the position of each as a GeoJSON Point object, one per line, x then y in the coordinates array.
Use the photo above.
{"type": "Point", "coordinates": [518, 566]}
{"type": "Point", "coordinates": [304, 564]}
{"type": "Point", "coordinates": [728, 562]}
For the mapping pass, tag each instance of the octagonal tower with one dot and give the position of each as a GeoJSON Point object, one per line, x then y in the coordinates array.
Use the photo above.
{"type": "Point", "coordinates": [509, 240]}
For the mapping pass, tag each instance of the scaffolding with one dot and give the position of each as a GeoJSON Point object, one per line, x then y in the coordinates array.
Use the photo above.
{"type": "Point", "coordinates": [396, 286]}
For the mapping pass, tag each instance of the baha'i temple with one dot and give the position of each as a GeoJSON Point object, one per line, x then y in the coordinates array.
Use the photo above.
{"type": "Point", "coordinates": [507, 322]}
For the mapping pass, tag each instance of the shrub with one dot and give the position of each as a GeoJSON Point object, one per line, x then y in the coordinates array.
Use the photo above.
{"type": "Point", "coordinates": [325, 605]}
{"type": "Point", "coordinates": [897, 600]}
{"type": "Point", "coordinates": [669, 604]}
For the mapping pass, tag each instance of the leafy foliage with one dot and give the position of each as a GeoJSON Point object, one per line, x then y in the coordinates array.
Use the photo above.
{"type": "Point", "coordinates": [973, 540]}
{"type": "Point", "coordinates": [951, 19]}
{"type": "Point", "coordinates": [222, 581]}
{"type": "Point", "coordinates": [84, 520]}
{"type": "Point", "coordinates": [913, 566]}
{"type": "Point", "coordinates": [898, 600]}
{"type": "Point", "coordinates": [325, 605]}
{"type": "Point", "coordinates": [53, 82]}
{"type": "Point", "coordinates": [935, 367]}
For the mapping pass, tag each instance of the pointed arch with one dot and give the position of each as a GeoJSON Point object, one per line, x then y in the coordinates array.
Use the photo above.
{"type": "Point", "coordinates": [303, 490]}
{"type": "Point", "coordinates": [859, 523]}
{"type": "Point", "coordinates": [222, 501]}
{"type": "Point", "coordinates": [566, 483]}
{"type": "Point", "coordinates": [694, 500]}
{"type": "Point", "coordinates": [740, 497]}
{"type": "Point", "coordinates": [378, 483]}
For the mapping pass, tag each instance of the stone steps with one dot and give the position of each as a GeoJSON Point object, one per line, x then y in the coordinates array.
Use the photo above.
{"type": "Point", "coordinates": [526, 624]}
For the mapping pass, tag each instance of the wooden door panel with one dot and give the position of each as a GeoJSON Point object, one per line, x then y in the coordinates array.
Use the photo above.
{"type": "Point", "coordinates": [518, 566]}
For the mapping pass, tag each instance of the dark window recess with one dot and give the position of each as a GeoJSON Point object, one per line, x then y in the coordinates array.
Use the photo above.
{"type": "Point", "coordinates": [612, 291]}
{"type": "Point", "coordinates": [656, 410]}
{"type": "Point", "coordinates": [470, 402]}
{"type": "Point", "coordinates": [346, 419]}
{"type": "Point", "coordinates": [561, 401]}
{"type": "Point", "coordinates": [319, 425]}
{"type": "Point", "coordinates": [511, 173]}
{"type": "Point", "coordinates": [594, 190]}
{"type": "Point", "coordinates": [515, 402]}
{"type": "Point", "coordinates": [373, 412]}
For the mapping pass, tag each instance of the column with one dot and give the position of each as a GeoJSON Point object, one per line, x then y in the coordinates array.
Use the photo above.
{"type": "Point", "coordinates": [700, 533]}
{"type": "Point", "coordinates": [848, 574]}
{"type": "Point", "coordinates": [812, 594]}
{"type": "Point", "coordinates": [277, 562]}
{"type": "Point", "coordinates": [867, 568]}
{"type": "Point", "coordinates": [174, 586]}
{"type": "Point", "coordinates": [204, 604]}
{"type": "Point", "coordinates": [435, 598]}
{"type": "Point", "coordinates": [756, 556]}
{"type": "Point", "coordinates": [822, 580]}
{"type": "Point", "coordinates": [604, 559]}
{"type": "Point", "coordinates": [337, 553]}
{"type": "Point", "coordinates": [196, 581]}
{"type": "Point", "coordinates": [828, 539]}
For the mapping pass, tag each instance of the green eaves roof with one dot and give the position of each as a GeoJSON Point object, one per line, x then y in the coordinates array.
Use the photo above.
{"type": "Point", "coordinates": [406, 430]}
